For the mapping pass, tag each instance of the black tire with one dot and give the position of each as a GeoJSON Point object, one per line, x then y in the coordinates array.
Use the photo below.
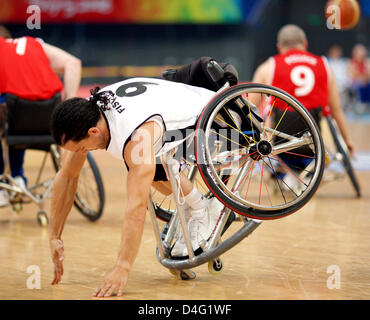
{"type": "Point", "coordinates": [90, 188]}
{"type": "Point", "coordinates": [343, 150]}
{"type": "Point", "coordinates": [162, 213]}
{"type": "Point", "coordinates": [213, 181]}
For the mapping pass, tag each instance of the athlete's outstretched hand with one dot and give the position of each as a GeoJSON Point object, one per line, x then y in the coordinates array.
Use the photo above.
{"type": "Point", "coordinates": [113, 283]}
{"type": "Point", "coordinates": [57, 254]}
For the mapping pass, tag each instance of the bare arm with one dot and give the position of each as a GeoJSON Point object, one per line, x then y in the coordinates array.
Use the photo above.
{"type": "Point", "coordinates": [139, 156]}
{"type": "Point", "coordinates": [337, 112]}
{"type": "Point", "coordinates": [261, 75]}
{"type": "Point", "coordinates": [65, 63]}
{"type": "Point", "coordinates": [64, 190]}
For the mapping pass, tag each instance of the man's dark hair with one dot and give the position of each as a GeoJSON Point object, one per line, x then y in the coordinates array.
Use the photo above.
{"type": "Point", "coordinates": [72, 119]}
{"type": "Point", "coordinates": [4, 32]}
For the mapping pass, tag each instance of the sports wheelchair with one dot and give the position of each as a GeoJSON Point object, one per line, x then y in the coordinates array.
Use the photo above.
{"type": "Point", "coordinates": [27, 127]}
{"type": "Point", "coordinates": [338, 153]}
{"type": "Point", "coordinates": [237, 158]}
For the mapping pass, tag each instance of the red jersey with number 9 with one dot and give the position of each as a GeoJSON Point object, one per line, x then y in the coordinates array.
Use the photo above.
{"type": "Point", "coordinates": [25, 70]}
{"type": "Point", "coordinates": [304, 76]}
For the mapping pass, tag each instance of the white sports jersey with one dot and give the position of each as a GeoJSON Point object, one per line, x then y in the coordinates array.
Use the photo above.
{"type": "Point", "coordinates": [138, 100]}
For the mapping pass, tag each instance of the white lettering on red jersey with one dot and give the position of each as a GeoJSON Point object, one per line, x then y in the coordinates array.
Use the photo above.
{"type": "Point", "coordinates": [303, 75]}
{"type": "Point", "coordinates": [25, 70]}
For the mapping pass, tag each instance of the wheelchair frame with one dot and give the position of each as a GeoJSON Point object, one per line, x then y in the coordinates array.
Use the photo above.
{"type": "Point", "coordinates": [341, 155]}
{"type": "Point", "coordinates": [211, 250]}
{"type": "Point", "coordinates": [18, 191]}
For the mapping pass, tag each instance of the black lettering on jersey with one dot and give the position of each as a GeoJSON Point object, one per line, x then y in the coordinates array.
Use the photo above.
{"type": "Point", "coordinates": [139, 86]}
{"type": "Point", "coordinates": [117, 107]}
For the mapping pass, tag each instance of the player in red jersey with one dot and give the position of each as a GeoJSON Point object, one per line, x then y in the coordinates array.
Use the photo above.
{"type": "Point", "coordinates": [28, 74]}
{"type": "Point", "coordinates": [305, 76]}
{"type": "Point", "coordinates": [309, 79]}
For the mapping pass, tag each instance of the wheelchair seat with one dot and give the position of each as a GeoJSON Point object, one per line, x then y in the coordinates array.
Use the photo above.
{"type": "Point", "coordinates": [28, 127]}
{"type": "Point", "coordinates": [29, 122]}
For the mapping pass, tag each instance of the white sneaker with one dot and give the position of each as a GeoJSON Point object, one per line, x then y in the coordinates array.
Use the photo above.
{"type": "Point", "coordinates": [4, 198]}
{"type": "Point", "coordinates": [178, 234]}
{"type": "Point", "coordinates": [200, 226]}
{"type": "Point", "coordinates": [19, 181]}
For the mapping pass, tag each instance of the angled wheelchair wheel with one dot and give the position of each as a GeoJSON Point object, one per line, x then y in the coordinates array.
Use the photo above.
{"type": "Point", "coordinates": [90, 197]}
{"type": "Point", "coordinates": [345, 156]}
{"type": "Point", "coordinates": [273, 166]}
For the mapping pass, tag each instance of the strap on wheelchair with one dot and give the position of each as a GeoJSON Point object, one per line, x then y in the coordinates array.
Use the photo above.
{"type": "Point", "coordinates": [204, 72]}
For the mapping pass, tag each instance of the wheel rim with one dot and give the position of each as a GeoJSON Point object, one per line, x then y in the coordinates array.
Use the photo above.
{"type": "Point", "coordinates": [264, 159]}
{"type": "Point", "coordinates": [87, 191]}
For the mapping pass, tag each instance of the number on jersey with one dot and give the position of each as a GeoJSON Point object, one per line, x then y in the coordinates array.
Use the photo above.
{"type": "Point", "coordinates": [304, 78]}
{"type": "Point", "coordinates": [20, 47]}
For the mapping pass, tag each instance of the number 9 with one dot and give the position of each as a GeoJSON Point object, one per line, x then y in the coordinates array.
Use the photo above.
{"type": "Point", "coordinates": [304, 78]}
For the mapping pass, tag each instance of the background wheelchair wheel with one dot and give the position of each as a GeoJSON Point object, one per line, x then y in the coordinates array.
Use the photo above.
{"type": "Point", "coordinates": [90, 198]}
{"type": "Point", "coordinates": [343, 150]}
{"type": "Point", "coordinates": [273, 165]}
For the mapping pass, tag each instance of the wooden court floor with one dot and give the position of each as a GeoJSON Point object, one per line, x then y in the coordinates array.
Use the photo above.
{"type": "Point", "coordinates": [320, 252]}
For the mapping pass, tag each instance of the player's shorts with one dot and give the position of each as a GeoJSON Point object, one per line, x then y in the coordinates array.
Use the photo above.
{"type": "Point", "coordinates": [161, 173]}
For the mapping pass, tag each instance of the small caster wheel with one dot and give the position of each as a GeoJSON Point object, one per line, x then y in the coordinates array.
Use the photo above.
{"type": "Point", "coordinates": [42, 218]}
{"type": "Point", "coordinates": [17, 207]}
{"type": "Point", "coordinates": [187, 275]}
{"type": "Point", "coordinates": [174, 272]}
{"type": "Point", "coordinates": [183, 274]}
{"type": "Point", "coordinates": [215, 266]}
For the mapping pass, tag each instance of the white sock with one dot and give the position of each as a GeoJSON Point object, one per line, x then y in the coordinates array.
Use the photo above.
{"type": "Point", "coordinates": [171, 197]}
{"type": "Point", "coordinates": [195, 200]}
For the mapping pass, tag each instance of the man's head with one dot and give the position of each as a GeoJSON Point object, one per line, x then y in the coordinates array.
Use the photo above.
{"type": "Point", "coordinates": [359, 52]}
{"type": "Point", "coordinates": [335, 52]}
{"type": "Point", "coordinates": [291, 37]}
{"type": "Point", "coordinates": [4, 32]}
{"type": "Point", "coordinates": [77, 124]}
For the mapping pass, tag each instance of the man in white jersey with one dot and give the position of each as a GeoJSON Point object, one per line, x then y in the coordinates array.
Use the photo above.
{"type": "Point", "coordinates": [129, 119]}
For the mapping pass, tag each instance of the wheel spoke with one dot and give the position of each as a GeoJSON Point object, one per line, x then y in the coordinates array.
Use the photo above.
{"type": "Point", "coordinates": [281, 118]}
{"type": "Point", "coordinates": [287, 167]}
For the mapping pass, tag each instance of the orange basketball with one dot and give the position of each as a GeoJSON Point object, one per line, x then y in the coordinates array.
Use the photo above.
{"type": "Point", "coordinates": [348, 12]}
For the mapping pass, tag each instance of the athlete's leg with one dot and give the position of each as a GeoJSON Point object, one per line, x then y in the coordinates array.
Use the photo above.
{"type": "Point", "coordinates": [201, 214]}
{"type": "Point", "coordinates": [165, 187]}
